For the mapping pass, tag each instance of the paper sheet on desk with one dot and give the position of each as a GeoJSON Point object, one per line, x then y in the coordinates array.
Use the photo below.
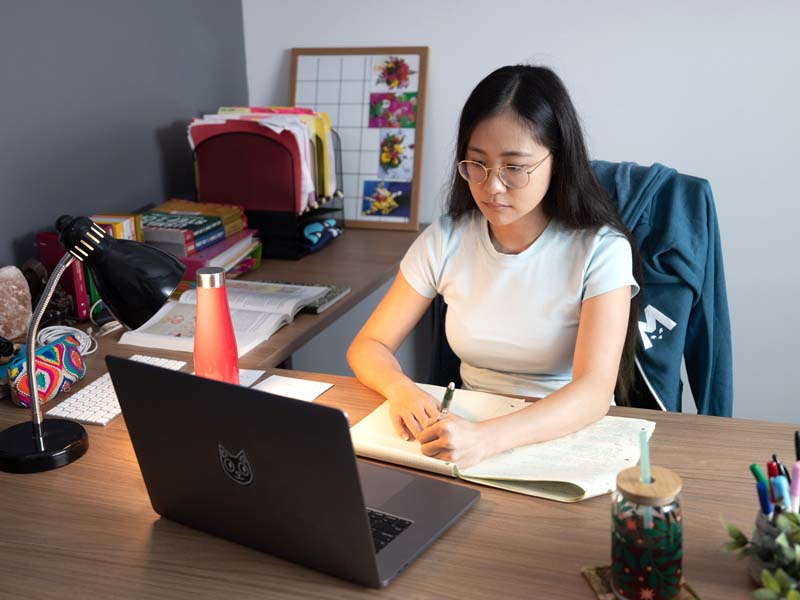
{"type": "Point", "coordinates": [247, 377]}
{"type": "Point", "coordinates": [299, 389]}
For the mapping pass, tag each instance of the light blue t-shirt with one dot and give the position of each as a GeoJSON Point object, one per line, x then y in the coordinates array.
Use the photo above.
{"type": "Point", "coordinates": [512, 319]}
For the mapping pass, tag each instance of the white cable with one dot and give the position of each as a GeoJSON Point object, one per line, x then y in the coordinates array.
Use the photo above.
{"type": "Point", "coordinates": [87, 343]}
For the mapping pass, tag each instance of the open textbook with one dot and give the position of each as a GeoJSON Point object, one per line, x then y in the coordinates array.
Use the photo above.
{"type": "Point", "coordinates": [258, 310]}
{"type": "Point", "coordinates": [575, 467]}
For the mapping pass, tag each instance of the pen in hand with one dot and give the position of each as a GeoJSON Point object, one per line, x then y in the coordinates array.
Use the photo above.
{"type": "Point", "coordinates": [448, 398]}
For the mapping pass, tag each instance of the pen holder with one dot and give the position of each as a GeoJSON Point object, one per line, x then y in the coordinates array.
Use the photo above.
{"type": "Point", "coordinates": [646, 536]}
{"type": "Point", "coordinates": [765, 547]}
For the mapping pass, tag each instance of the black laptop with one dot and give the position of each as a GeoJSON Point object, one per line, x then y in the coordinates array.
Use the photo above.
{"type": "Point", "coordinates": [278, 475]}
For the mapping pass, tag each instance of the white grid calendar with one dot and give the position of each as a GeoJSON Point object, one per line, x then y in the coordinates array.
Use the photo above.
{"type": "Point", "coordinates": [377, 126]}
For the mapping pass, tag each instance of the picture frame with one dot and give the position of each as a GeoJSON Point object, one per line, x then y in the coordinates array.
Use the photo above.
{"type": "Point", "coordinates": [375, 100]}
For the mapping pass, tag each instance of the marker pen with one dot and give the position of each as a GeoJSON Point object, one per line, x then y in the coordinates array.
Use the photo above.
{"type": "Point", "coordinates": [794, 493]}
{"type": "Point", "coordinates": [763, 499]}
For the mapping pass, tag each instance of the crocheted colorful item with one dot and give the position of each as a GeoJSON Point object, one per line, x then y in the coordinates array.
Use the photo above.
{"type": "Point", "coordinates": [58, 366]}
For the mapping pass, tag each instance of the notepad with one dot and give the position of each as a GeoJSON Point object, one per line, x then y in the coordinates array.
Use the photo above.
{"type": "Point", "coordinates": [575, 467]}
{"type": "Point", "coordinates": [291, 387]}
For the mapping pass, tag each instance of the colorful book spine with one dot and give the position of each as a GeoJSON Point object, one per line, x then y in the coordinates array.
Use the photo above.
{"type": "Point", "coordinates": [223, 254]}
{"type": "Point", "coordinates": [131, 225]}
{"type": "Point", "coordinates": [209, 239]}
{"type": "Point", "coordinates": [181, 231]}
{"type": "Point", "coordinates": [73, 281]}
{"type": "Point", "coordinates": [233, 216]}
{"type": "Point", "coordinates": [249, 260]}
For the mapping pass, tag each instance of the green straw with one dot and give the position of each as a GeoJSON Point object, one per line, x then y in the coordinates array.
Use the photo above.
{"type": "Point", "coordinates": [644, 461]}
{"type": "Point", "coordinates": [644, 476]}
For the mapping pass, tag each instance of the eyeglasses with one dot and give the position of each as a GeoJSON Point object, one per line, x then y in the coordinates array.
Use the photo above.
{"type": "Point", "coordinates": [512, 176]}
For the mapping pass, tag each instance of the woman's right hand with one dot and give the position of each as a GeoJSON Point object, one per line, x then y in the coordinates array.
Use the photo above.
{"type": "Point", "coordinates": [410, 409]}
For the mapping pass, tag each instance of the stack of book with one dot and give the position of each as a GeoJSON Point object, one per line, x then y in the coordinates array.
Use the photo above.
{"type": "Point", "coordinates": [203, 234]}
{"type": "Point", "coordinates": [198, 234]}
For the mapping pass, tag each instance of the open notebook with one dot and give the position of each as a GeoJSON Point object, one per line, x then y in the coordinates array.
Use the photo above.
{"type": "Point", "coordinates": [575, 467]}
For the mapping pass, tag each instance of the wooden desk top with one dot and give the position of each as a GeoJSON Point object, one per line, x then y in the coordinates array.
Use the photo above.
{"type": "Point", "coordinates": [87, 530]}
{"type": "Point", "coordinates": [361, 259]}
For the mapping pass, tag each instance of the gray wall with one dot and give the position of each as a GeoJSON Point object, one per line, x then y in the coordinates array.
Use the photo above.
{"type": "Point", "coordinates": [95, 97]}
{"type": "Point", "coordinates": [708, 87]}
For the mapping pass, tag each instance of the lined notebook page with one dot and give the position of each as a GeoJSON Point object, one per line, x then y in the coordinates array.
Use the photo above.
{"type": "Point", "coordinates": [588, 459]}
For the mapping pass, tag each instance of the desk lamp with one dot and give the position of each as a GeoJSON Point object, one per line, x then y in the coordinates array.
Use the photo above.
{"type": "Point", "coordinates": [134, 281]}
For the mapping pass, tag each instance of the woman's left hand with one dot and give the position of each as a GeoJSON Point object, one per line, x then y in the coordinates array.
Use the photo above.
{"type": "Point", "coordinates": [455, 440]}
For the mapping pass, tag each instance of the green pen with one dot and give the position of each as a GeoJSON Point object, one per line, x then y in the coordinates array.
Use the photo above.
{"type": "Point", "coordinates": [448, 398]}
{"type": "Point", "coordinates": [759, 474]}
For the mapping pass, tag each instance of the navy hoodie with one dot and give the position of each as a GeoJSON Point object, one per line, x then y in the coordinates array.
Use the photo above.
{"type": "Point", "coordinates": [683, 307]}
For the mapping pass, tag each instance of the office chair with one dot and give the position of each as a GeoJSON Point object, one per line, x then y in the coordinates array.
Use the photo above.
{"type": "Point", "coordinates": [683, 302]}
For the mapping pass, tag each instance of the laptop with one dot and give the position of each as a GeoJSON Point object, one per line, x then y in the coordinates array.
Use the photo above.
{"type": "Point", "coordinates": [278, 475]}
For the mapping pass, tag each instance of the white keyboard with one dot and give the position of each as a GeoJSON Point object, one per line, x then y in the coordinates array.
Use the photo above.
{"type": "Point", "coordinates": [97, 403]}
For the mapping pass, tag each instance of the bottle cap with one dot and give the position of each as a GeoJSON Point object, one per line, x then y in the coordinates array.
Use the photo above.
{"type": "Point", "coordinates": [211, 277]}
{"type": "Point", "coordinates": [664, 487]}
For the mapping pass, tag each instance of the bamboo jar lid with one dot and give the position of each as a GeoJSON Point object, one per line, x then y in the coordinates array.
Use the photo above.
{"type": "Point", "coordinates": [664, 487]}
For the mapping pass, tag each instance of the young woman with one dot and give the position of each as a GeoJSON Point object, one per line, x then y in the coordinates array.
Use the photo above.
{"type": "Point", "coordinates": [536, 270]}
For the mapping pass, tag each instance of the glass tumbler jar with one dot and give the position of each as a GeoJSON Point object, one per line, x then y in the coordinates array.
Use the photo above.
{"type": "Point", "coordinates": [646, 536]}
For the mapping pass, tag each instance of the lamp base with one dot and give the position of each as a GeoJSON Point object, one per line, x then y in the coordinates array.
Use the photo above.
{"type": "Point", "coordinates": [64, 442]}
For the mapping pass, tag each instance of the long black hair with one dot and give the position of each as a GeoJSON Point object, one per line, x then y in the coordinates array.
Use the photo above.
{"type": "Point", "coordinates": [574, 198]}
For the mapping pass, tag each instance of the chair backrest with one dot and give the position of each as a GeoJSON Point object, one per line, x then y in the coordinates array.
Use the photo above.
{"type": "Point", "coordinates": [683, 302]}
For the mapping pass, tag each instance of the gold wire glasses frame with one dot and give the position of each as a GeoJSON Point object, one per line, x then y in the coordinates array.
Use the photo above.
{"type": "Point", "coordinates": [512, 176]}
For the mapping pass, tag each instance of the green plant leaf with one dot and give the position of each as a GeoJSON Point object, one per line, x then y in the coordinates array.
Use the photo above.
{"type": "Point", "coordinates": [788, 554]}
{"type": "Point", "coordinates": [783, 579]}
{"type": "Point", "coordinates": [735, 533]}
{"type": "Point", "coordinates": [769, 581]}
{"type": "Point", "coordinates": [733, 545]}
{"type": "Point", "coordinates": [793, 595]}
{"type": "Point", "coordinates": [783, 522]}
{"type": "Point", "coordinates": [764, 594]}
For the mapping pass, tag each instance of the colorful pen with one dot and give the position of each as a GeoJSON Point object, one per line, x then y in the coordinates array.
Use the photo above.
{"type": "Point", "coordinates": [780, 489]}
{"type": "Point", "coordinates": [448, 398]}
{"type": "Point", "coordinates": [759, 474]}
{"type": "Point", "coordinates": [782, 470]}
{"type": "Point", "coordinates": [772, 471]}
{"type": "Point", "coordinates": [794, 492]}
{"type": "Point", "coordinates": [797, 445]}
{"type": "Point", "coordinates": [763, 498]}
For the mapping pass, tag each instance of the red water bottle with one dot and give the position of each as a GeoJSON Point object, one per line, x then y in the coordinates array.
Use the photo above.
{"type": "Point", "coordinates": [215, 352]}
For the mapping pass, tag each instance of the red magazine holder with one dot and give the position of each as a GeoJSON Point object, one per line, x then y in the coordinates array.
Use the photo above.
{"type": "Point", "coordinates": [240, 161]}
{"type": "Point", "coordinates": [243, 162]}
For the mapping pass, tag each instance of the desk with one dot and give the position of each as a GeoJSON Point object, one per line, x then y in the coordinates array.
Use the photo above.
{"type": "Point", "coordinates": [87, 530]}
{"type": "Point", "coordinates": [361, 259]}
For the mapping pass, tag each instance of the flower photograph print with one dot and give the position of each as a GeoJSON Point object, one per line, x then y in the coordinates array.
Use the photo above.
{"type": "Point", "coordinates": [396, 159]}
{"type": "Point", "coordinates": [387, 199]}
{"type": "Point", "coordinates": [395, 73]}
{"type": "Point", "coordinates": [393, 110]}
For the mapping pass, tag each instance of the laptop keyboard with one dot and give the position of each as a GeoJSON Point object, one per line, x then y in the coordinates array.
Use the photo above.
{"type": "Point", "coordinates": [96, 403]}
{"type": "Point", "coordinates": [385, 527]}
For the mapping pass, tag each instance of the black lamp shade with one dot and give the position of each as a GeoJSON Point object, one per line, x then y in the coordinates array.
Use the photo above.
{"type": "Point", "coordinates": [133, 279]}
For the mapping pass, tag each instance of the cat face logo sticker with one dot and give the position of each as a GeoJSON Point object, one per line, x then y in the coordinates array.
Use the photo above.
{"type": "Point", "coordinates": [236, 466]}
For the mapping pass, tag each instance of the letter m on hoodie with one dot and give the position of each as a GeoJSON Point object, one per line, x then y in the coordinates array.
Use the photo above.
{"type": "Point", "coordinates": [653, 326]}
